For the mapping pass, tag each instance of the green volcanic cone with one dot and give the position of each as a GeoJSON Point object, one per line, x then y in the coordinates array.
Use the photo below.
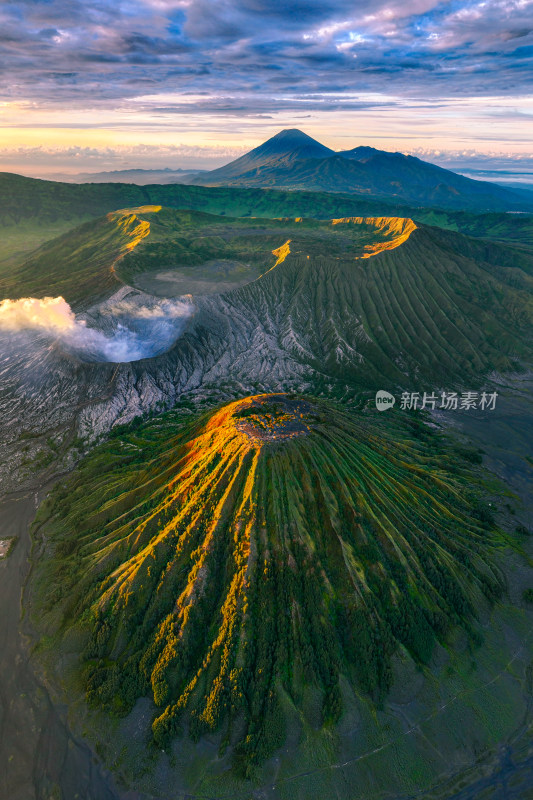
{"type": "Point", "coordinates": [274, 547]}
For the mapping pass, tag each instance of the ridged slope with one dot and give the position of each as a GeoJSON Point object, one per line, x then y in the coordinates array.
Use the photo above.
{"type": "Point", "coordinates": [256, 555]}
{"type": "Point", "coordinates": [438, 308]}
{"type": "Point", "coordinates": [362, 300]}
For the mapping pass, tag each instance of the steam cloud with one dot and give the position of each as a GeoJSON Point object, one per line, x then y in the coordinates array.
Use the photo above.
{"type": "Point", "coordinates": [134, 331]}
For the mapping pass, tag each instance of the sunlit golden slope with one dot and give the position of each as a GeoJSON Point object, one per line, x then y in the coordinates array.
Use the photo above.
{"type": "Point", "coordinates": [390, 232]}
{"type": "Point", "coordinates": [387, 233]}
{"type": "Point", "coordinates": [275, 545]}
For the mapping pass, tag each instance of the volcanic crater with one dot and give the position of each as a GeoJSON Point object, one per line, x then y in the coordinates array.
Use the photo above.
{"type": "Point", "coordinates": [274, 417]}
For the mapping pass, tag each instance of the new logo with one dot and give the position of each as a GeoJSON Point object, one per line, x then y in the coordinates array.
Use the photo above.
{"type": "Point", "coordinates": [384, 400]}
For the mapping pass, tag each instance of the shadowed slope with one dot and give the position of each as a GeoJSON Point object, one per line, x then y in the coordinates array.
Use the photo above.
{"type": "Point", "coordinates": [438, 307]}
{"type": "Point", "coordinates": [231, 568]}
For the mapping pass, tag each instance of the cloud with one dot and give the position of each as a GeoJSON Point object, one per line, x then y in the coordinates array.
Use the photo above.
{"type": "Point", "coordinates": [137, 331]}
{"type": "Point", "coordinates": [93, 52]}
{"type": "Point", "coordinates": [52, 314]}
{"type": "Point", "coordinates": [213, 68]}
{"type": "Point", "coordinates": [78, 159]}
{"type": "Point", "coordinates": [471, 157]}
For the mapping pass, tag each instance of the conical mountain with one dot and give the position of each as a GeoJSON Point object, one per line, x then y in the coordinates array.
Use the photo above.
{"type": "Point", "coordinates": [278, 152]}
{"type": "Point", "coordinates": [268, 556]}
{"type": "Point", "coordinates": [292, 143]}
{"type": "Point", "coordinates": [292, 160]}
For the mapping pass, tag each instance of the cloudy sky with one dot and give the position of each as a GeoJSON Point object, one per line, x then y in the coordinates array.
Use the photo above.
{"type": "Point", "coordinates": [92, 85]}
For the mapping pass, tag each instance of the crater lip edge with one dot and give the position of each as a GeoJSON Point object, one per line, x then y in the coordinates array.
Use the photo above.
{"type": "Point", "coordinates": [272, 417]}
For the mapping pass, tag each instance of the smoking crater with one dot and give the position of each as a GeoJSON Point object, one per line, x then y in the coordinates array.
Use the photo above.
{"type": "Point", "coordinates": [121, 330]}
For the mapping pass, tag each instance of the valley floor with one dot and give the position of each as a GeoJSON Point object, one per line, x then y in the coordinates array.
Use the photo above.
{"type": "Point", "coordinates": [39, 755]}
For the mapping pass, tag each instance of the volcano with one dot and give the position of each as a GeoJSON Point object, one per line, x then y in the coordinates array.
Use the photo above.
{"type": "Point", "coordinates": [293, 160]}
{"type": "Point", "coordinates": [280, 151]}
{"type": "Point", "coordinates": [273, 546]}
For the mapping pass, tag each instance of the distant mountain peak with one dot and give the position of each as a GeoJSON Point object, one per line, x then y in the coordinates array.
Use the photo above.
{"type": "Point", "coordinates": [291, 133]}
{"type": "Point", "coordinates": [364, 152]}
{"type": "Point", "coordinates": [292, 142]}
{"type": "Point", "coordinates": [291, 159]}
{"type": "Point", "coordinates": [281, 150]}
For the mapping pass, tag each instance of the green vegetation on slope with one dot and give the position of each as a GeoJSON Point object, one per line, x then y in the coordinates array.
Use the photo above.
{"type": "Point", "coordinates": [18, 241]}
{"type": "Point", "coordinates": [80, 264]}
{"type": "Point", "coordinates": [439, 308]}
{"type": "Point", "coordinates": [236, 567]}
{"type": "Point", "coordinates": [191, 241]}
{"type": "Point", "coordinates": [33, 211]}
{"type": "Point", "coordinates": [88, 262]}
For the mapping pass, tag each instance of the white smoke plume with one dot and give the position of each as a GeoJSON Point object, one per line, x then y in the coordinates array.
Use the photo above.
{"type": "Point", "coordinates": [52, 313]}
{"type": "Point", "coordinates": [134, 331]}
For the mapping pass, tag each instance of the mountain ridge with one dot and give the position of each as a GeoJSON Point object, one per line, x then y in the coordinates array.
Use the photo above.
{"type": "Point", "coordinates": [291, 159]}
{"type": "Point", "coordinates": [35, 210]}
